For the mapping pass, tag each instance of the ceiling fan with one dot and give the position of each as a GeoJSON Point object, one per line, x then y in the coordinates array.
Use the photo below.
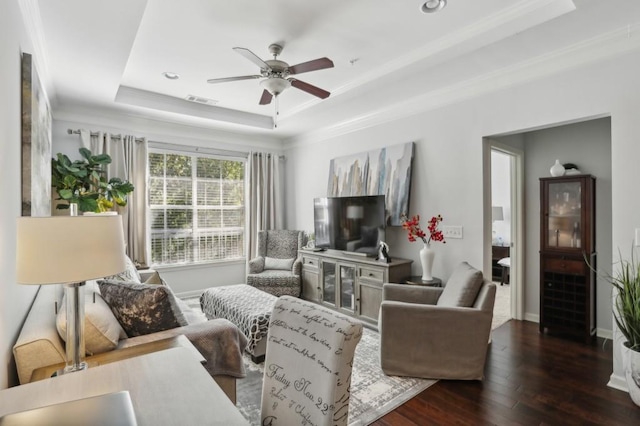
{"type": "Point", "coordinates": [277, 74]}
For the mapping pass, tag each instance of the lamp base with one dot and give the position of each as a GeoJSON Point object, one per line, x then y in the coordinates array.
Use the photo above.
{"type": "Point", "coordinates": [71, 369]}
{"type": "Point", "coordinates": [75, 328]}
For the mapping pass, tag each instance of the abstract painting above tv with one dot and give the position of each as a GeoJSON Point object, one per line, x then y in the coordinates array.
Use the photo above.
{"type": "Point", "coordinates": [385, 171]}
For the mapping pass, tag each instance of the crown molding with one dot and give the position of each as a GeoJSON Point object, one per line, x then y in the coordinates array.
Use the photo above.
{"type": "Point", "coordinates": [158, 101]}
{"type": "Point", "coordinates": [596, 49]}
{"type": "Point", "coordinates": [163, 129]}
{"type": "Point", "coordinates": [500, 25]}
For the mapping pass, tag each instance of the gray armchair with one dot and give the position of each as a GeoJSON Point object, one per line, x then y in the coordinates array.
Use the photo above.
{"type": "Point", "coordinates": [277, 268]}
{"type": "Point", "coordinates": [437, 333]}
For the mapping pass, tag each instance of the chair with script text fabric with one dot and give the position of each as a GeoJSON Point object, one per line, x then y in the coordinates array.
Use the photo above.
{"type": "Point", "coordinates": [307, 370]}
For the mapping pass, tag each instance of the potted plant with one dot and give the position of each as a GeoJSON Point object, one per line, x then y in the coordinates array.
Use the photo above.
{"type": "Point", "coordinates": [83, 182]}
{"type": "Point", "coordinates": [626, 313]}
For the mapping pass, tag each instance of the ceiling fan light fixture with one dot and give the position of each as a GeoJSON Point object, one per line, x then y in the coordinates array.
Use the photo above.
{"type": "Point", "coordinates": [432, 6]}
{"type": "Point", "coordinates": [275, 85]}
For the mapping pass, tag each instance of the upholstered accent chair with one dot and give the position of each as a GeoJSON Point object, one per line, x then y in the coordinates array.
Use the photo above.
{"type": "Point", "coordinates": [277, 267]}
{"type": "Point", "coordinates": [437, 333]}
{"type": "Point", "coordinates": [307, 370]}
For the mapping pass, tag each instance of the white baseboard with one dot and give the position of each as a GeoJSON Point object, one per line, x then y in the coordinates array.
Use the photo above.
{"type": "Point", "coordinates": [600, 332]}
{"type": "Point", "coordinates": [604, 333]}
{"type": "Point", "coordinates": [618, 382]}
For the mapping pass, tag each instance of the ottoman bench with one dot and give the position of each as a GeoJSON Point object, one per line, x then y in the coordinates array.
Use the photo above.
{"type": "Point", "coordinates": [245, 306]}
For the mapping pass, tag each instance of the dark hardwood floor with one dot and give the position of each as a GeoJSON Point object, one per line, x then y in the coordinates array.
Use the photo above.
{"type": "Point", "coordinates": [530, 379]}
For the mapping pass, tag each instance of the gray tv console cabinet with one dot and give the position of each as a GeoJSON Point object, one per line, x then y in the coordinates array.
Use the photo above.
{"type": "Point", "coordinates": [349, 283]}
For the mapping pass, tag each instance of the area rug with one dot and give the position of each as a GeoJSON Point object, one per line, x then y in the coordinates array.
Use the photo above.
{"type": "Point", "coordinates": [502, 306]}
{"type": "Point", "coordinates": [373, 394]}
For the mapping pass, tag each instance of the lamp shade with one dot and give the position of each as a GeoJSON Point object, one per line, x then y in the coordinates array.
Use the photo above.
{"type": "Point", "coordinates": [355, 212]}
{"type": "Point", "coordinates": [68, 249]}
{"type": "Point", "coordinates": [497, 213]}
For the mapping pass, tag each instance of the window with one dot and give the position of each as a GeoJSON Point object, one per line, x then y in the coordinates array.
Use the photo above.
{"type": "Point", "coordinates": [197, 208]}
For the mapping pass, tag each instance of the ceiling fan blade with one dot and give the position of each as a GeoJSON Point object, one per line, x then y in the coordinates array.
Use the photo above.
{"type": "Point", "coordinates": [309, 88]}
{"type": "Point", "coordinates": [316, 64]}
{"type": "Point", "coordinates": [265, 99]}
{"type": "Point", "coordinates": [252, 57]}
{"type": "Point", "coordinates": [225, 79]}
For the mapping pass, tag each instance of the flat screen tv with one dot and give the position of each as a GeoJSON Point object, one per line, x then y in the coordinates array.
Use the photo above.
{"type": "Point", "coordinates": [351, 224]}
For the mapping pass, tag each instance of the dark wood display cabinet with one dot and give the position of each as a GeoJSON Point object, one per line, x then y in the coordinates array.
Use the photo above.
{"type": "Point", "coordinates": [567, 242]}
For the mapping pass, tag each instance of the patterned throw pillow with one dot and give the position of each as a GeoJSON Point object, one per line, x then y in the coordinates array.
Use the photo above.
{"type": "Point", "coordinates": [273, 263]}
{"type": "Point", "coordinates": [142, 308]}
{"type": "Point", "coordinates": [130, 274]}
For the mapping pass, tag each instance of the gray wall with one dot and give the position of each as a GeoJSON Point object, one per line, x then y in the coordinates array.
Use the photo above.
{"type": "Point", "coordinates": [588, 145]}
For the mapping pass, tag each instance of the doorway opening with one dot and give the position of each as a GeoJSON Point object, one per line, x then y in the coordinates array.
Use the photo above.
{"type": "Point", "coordinates": [504, 222]}
{"type": "Point", "coordinates": [501, 239]}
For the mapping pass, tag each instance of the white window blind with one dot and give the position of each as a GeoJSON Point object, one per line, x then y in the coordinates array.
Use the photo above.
{"type": "Point", "coordinates": [197, 208]}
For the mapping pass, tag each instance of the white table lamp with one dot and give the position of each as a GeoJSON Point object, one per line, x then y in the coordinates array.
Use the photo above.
{"type": "Point", "coordinates": [69, 250]}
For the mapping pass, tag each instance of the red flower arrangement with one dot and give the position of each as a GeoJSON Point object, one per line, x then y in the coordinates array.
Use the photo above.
{"type": "Point", "coordinates": [413, 228]}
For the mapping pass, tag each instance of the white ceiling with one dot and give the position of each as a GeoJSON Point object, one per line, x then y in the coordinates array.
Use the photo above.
{"type": "Point", "coordinates": [109, 55]}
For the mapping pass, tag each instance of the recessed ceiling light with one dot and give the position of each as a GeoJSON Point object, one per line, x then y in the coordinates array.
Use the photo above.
{"type": "Point", "coordinates": [171, 75]}
{"type": "Point", "coordinates": [431, 6]}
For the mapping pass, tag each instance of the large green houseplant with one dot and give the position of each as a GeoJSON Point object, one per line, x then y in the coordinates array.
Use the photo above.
{"type": "Point", "coordinates": [626, 313]}
{"type": "Point", "coordinates": [83, 182]}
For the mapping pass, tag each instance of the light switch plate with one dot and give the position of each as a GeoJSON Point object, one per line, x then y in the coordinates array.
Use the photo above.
{"type": "Point", "coordinates": [637, 240]}
{"type": "Point", "coordinates": [452, 231]}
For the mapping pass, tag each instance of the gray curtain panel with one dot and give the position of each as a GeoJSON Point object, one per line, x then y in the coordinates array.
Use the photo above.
{"type": "Point", "coordinates": [128, 162]}
{"type": "Point", "coordinates": [266, 197]}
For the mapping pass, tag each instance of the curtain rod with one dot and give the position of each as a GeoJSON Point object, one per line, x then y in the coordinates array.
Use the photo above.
{"type": "Point", "coordinates": [77, 132]}
{"type": "Point", "coordinates": [164, 145]}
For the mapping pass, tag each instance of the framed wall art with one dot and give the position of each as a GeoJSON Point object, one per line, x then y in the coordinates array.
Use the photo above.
{"type": "Point", "coordinates": [385, 171]}
{"type": "Point", "coordinates": [36, 143]}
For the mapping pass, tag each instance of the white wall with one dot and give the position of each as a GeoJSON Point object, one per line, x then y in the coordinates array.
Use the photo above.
{"type": "Point", "coordinates": [448, 174]}
{"type": "Point", "coordinates": [501, 196]}
{"type": "Point", "coordinates": [184, 280]}
{"type": "Point", "coordinates": [15, 300]}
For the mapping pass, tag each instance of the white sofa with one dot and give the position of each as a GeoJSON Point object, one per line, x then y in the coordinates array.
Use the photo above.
{"type": "Point", "coordinates": [39, 343]}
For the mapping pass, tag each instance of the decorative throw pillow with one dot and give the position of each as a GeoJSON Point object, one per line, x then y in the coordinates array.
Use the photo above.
{"type": "Point", "coordinates": [102, 331]}
{"type": "Point", "coordinates": [462, 288]}
{"type": "Point", "coordinates": [273, 263]}
{"type": "Point", "coordinates": [142, 308]}
{"type": "Point", "coordinates": [154, 278]}
{"type": "Point", "coordinates": [130, 274]}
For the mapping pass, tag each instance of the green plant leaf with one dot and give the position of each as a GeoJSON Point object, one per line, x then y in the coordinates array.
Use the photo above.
{"type": "Point", "coordinates": [87, 205]}
{"type": "Point", "coordinates": [65, 194]}
{"type": "Point", "coordinates": [101, 159]}
{"type": "Point", "coordinates": [86, 153]}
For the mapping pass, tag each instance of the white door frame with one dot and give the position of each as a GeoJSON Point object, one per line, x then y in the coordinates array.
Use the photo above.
{"type": "Point", "coordinates": [517, 220]}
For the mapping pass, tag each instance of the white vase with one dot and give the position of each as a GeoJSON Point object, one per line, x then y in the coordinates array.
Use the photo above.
{"type": "Point", "coordinates": [426, 259]}
{"type": "Point", "coordinates": [557, 169]}
{"type": "Point", "coordinates": [631, 360]}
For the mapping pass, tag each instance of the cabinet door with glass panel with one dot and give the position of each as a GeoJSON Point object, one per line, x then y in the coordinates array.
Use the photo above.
{"type": "Point", "coordinates": [338, 285]}
{"type": "Point", "coordinates": [567, 222]}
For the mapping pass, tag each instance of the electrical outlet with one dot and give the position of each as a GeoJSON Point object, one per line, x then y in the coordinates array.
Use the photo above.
{"type": "Point", "coordinates": [452, 231]}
